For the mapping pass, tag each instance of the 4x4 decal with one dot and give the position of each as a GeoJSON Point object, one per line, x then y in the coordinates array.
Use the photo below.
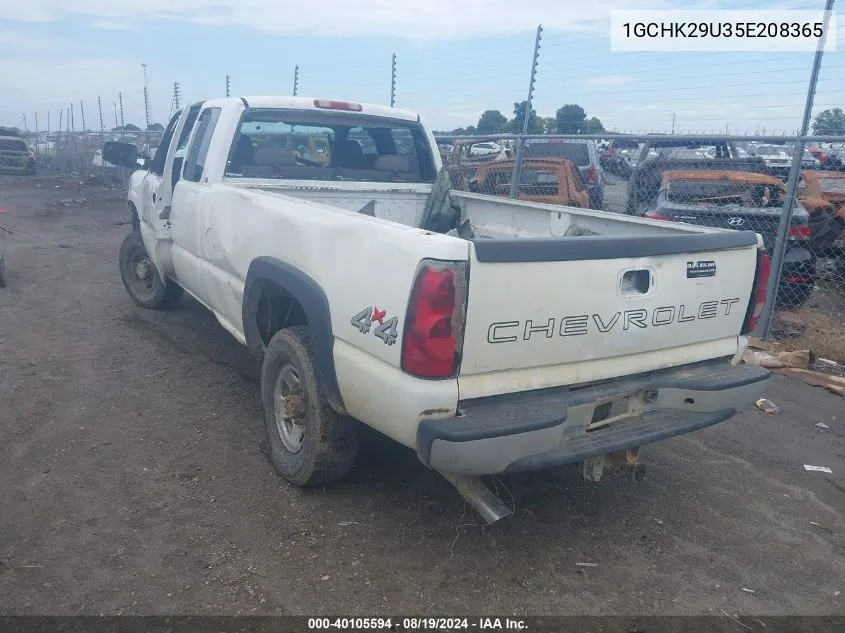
{"type": "Point", "coordinates": [386, 329]}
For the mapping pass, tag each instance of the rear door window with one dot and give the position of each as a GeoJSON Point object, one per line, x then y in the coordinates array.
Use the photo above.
{"type": "Point", "coordinates": [198, 149]}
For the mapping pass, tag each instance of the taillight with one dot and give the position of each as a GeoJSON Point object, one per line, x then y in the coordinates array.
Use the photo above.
{"type": "Point", "coordinates": [758, 292]}
{"type": "Point", "coordinates": [800, 232]}
{"type": "Point", "coordinates": [656, 215]}
{"type": "Point", "coordinates": [434, 325]}
{"type": "Point", "coordinates": [591, 175]}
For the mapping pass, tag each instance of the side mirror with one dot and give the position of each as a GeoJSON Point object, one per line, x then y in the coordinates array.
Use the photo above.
{"type": "Point", "coordinates": [120, 154]}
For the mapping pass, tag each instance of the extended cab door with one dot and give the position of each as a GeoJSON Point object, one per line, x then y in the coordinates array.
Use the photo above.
{"type": "Point", "coordinates": [196, 243]}
{"type": "Point", "coordinates": [149, 193]}
{"type": "Point", "coordinates": [171, 156]}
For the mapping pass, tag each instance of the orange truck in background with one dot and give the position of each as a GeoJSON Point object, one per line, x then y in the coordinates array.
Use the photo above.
{"type": "Point", "coordinates": [548, 180]}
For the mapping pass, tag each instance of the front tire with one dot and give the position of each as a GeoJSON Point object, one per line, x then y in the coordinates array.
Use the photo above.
{"type": "Point", "coordinates": [141, 279]}
{"type": "Point", "coordinates": [309, 444]}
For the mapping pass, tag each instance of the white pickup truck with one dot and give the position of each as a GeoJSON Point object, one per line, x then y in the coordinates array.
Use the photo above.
{"type": "Point", "coordinates": [490, 335]}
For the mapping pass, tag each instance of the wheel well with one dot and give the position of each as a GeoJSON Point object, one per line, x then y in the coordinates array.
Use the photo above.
{"type": "Point", "coordinates": [136, 221]}
{"type": "Point", "coordinates": [276, 309]}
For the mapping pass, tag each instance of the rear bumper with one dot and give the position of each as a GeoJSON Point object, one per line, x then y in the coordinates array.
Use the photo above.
{"type": "Point", "coordinates": [548, 428]}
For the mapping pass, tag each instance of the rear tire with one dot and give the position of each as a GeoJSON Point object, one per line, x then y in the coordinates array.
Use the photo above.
{"type": "Point", "coordinates": [141, 279]}
{"type": "Point", "coordinates": [309, 444]}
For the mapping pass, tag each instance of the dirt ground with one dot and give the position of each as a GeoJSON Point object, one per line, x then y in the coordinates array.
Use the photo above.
{"type": "Point", "coordinates": [132, 478]}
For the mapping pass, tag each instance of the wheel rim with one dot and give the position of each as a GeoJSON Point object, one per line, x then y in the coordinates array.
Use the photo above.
{"type": "Point", "coordinates": [289, 401]}
{"type": "Point", "coordinates": [142, 274]}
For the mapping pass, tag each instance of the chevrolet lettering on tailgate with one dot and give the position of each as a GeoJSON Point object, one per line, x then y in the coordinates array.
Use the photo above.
{"type": "Point", "coordinates": [629, 320]}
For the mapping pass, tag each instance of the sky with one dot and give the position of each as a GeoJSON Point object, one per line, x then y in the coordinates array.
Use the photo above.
{"type": "Point", "coordinates": [453, 61]}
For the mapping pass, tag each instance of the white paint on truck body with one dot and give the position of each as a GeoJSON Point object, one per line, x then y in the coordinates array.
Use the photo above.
{"type": "Point", "coordinates": [529, 325]}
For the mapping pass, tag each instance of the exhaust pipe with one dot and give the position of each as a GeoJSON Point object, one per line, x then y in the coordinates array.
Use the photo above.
{"type": "Point", "coordinates": [479, 496]}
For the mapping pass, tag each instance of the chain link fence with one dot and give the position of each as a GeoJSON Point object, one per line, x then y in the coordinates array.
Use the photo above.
{"type": "Point", "coordinates": [82, 152]}
{"type": "Point", "coordinates": [728, 182]}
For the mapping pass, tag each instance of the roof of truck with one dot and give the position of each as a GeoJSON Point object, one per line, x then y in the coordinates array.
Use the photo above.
{"type": "Point", "coordinates": [307, 103]}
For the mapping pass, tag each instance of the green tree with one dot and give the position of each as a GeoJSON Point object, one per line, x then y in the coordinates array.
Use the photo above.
{"type": "Point", "coordinates": [548, 125]}
{"type": "Point", "coordinates": [155, 127]}
{"type": "Point", "coordinates": [515, 125]}
{"type": "Point", "coordinates": [829, 122]}
{"type": "Point", "coordinates": [126, 128]}
{"type": "Point", "coordinates": [491, 122]}
{"type": "Point", "coordinates": [570, 119]}
{"type": "Point", "coordinates": [592, 126]}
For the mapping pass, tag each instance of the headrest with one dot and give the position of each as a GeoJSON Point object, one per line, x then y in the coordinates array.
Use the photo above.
{"type": "Point", "coordinates": [393, 162]}
{"type": "Point", "coordinates": [276, 156]}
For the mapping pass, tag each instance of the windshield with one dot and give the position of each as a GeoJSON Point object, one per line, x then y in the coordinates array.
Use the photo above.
{"type": "Point", "coordinates": [680, 153]}
{"type": "Point", "coordinates": [300, 145]}
{"type": "Point", "coordinates": [578, 153]}
{"type": "Point", "coordinates": [769, 150]}
{"type": "Point", "coordinates": [717, 192]}
{"type": "Point", "coordinates": [536, 182]}
{"type": "Point", "coordinates": [13, 145]}
{"type": "Point", "coordinates": [626, 144]}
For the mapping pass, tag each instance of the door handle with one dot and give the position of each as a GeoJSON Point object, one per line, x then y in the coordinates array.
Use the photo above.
{"type": "Point", "coordinates": [154, 197]}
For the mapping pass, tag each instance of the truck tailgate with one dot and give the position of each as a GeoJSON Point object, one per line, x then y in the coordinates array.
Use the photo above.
{"type": "Point", "coordinates": [548, 312]}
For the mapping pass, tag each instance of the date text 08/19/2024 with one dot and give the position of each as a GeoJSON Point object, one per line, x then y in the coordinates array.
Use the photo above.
{"type": "Point", "coordinates": [416, 624]}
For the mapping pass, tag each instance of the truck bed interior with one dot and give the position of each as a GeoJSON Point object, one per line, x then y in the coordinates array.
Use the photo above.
{"type": "Point", "coordinates": [482, 216]}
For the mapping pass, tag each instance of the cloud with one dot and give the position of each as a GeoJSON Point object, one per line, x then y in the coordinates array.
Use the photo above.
{"type": "Point", "coordinates": [411, 19]}
{"type": "Point", "coordinates": [74, 79]}
{"type": "Point", "coordinates": [115, 25]}
{"type": "Point", "coordinates": [608, 80]}
{"type": "Point", "coordinates": [24, 43]}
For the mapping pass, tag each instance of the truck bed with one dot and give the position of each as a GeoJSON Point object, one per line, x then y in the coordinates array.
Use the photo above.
{"type": "Point", "coordinates": [490, 217]}
{"type": "Point", "coordinates": [562, 295]}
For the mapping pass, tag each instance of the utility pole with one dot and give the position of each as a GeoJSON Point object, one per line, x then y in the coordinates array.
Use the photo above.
{"type": "Point", "coordinates": [295, 80]}
{"type": "Point", "coordinates": [25, 127]}
{"type": "Point", "coordinates": [100, 108]}
{"type": "Point", "coordinates": [526, 117]}
{"type": "Point", "coordinates": [120, 100]}
{"type": "Point", "coordinates": [72, 123]}
{"type": "Point", "coordinates": [673, 123]}
{"type": "Point", "coordinates": [114, 104]}
{"type": "Point", "coordinates": [393, 81]}
{"type": "Point", "coordinates": [146, 97]}
{"type": "Point", "coordinates": [36, 132]}
{"type": "Point", "coordinates": [61, 112]}
{"type": "Point", "coordinates": [228, 91]}
{"type": "Point", "coordinates": [82, 115]}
